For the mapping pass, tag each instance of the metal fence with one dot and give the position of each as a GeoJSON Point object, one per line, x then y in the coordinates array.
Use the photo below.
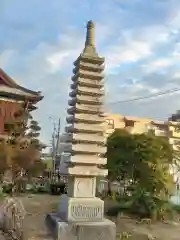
{"type": "Point", "coordinates": [102, 185]}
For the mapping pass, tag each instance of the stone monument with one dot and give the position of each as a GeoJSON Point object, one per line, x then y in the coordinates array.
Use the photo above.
{"type": "Point", "coordinates": [81, 214]}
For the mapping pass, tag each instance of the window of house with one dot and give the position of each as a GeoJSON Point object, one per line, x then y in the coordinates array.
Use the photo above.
{"type": "Point", "coordinates": [177, 129]}
{"type": "Point", "coordinates": [177, 142]}
{"type": "Point", "coordinates": [6, 127]}
{"type": "Point", "coordinates": [110, 123]}
{"type": "Point", "coordinates": [129, 123]}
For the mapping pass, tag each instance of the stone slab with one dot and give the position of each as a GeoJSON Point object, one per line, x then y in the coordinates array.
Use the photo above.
{"type": "Point", "coordinates": [81, 209]}
{"type": "Point", "coordinates": [104, 230]}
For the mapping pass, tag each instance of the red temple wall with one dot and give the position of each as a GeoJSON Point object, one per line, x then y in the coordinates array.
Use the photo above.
{"type": "Point", "coordinates": [7, 111]}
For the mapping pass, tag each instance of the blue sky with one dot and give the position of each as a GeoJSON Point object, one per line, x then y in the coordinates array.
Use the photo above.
{"type": "Point", "coordinates": [140, 40]}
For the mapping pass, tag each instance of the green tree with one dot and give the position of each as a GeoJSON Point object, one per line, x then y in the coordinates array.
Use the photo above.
{"type": "Point", "coordinates": [34, 133]}
{"type": "Point", "coordinates": [143, 161]}
{"type": "Point", "coordinates": [21, 150]}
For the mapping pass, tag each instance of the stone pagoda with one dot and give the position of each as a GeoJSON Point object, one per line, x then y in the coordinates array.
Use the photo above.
{"type": "Point", "coordinates": [81, 213]}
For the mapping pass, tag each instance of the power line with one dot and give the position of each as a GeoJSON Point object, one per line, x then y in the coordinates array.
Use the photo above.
{"type": "Point", "coordinates": [147, 97]}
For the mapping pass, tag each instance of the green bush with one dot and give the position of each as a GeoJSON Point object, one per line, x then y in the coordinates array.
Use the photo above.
{"type": "Point", "coordinates": [143, 205]}
{"type": "Point", "coordinates": [7, 188]}
{"type": "Point", "coordinates": [29, 187]}
{"type": "Point", "coordinates": [43, 188]}
{"type": "Point", "coordinates": [122, 207]}
{"type": "Point", "coordinates": [57, 188]}
{"type": "Point", "coordinates": [176, 208]}
{"type": "Point", "coordinates": [38, 188]}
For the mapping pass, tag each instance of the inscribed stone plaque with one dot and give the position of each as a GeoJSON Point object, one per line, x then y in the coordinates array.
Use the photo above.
{"type": "Point", "coordinates": [84, 187]}
{"type": "Point", "coordinates": [87, 212]}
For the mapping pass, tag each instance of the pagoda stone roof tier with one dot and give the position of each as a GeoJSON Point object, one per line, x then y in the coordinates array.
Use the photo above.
{"type": "Point", "coordinates": [8, 87]}
{"type": "Point", "coordinates": [89, 59]}
{"type": "Point", "coordinates": [90, 142]}
{"type": "Point", "coordinates": [90, 91]}
{"type": "Point", "coordinates": [86, 118]}
{"type": "Point", "coordinates": [85, 101]}
{"type": "Point", "coordinates": [90, 66]}
{"type": "Point", "coordinates": [84, 128]}
{"type": "Point", "coordinates": [79, 69]}
{"type": "Point", "coordinates": [82, 137]}
{"type": "Point", "coordinates": [84, 148]}
{"type": "Point", "coordinates": [87, 83]}
{"type": "Point", "coordinates": [87, 91]}
{"type": "Point", "coordinates": [72, 119]}
{"type": "Point", "coordinates": [72, 102]}
{"type": "Point", "coordinates": [80, 91]}
{"type": "Point", "coordinates": [69, 137]}
{"type": "Point", "coordinates": [89, 100]}
{"type": "Point", "coordinates": [80, 108]}
{"type": "Point", "coordinates": [88, 74]}
{"type": "Point", "coordinates": [92, 159]}
{"type": "Point", "coordinates": [82, 171]}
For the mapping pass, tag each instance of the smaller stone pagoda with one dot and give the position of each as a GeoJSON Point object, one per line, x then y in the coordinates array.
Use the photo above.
{"type": "Point", "coordinates": [85, 142]}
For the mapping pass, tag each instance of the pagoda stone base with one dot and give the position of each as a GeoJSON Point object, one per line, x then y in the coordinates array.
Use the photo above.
{"type": "Point", "coordinates": [102, 230]}
{"type": "Point", "coordinates": [81, 209]}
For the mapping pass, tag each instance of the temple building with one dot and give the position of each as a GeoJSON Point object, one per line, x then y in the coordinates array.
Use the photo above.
{"type": "Point", "coordinates": [14, 98]}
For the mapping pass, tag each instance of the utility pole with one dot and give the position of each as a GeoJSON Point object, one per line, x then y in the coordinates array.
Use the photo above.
{"type": "Point", "coordinates": [55, 143]}
{"type": "Point", "coordinates": [53, 146]}
{"type": "Point", "coordinates": [57, 140]}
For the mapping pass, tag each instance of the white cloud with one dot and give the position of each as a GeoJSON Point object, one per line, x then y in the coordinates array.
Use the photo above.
{"type": "Point", "coordinates": [130, 52]}
{"type": "Point", "coordinates": [136, 45]}
{"type": "Point", "coordinates": [5, 57]}
{"type": "Point", "coordinates": [158, 65]}
{"type": "Point", "coordinates": [120, 41]}
{"type": "Point", "coordinates": [56, 60]}
{"type": "Point", "coordinates": [176, 75]}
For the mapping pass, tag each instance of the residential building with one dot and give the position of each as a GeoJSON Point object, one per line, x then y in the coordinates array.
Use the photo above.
{"type": "Point", "coordinates": [175, 117]}
{"type": "Point", "coordinates": [135, 125]}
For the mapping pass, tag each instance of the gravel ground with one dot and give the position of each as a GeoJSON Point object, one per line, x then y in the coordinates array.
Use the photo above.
{"type": "Point", "coordinates": [37, 206]}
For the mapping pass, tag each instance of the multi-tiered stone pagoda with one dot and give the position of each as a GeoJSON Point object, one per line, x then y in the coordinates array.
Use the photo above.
{"type": "Point", "coordinates": [85, 142]}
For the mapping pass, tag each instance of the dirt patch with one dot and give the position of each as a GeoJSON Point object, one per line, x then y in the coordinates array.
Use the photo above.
{"type": "Point", "coordinates": [37, 206]}
{"type": "Point", "coordinates": [146, 231]}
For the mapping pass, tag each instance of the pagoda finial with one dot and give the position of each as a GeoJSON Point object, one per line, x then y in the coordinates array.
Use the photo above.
{"type": "Point", "coordinates": [90, 34]}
